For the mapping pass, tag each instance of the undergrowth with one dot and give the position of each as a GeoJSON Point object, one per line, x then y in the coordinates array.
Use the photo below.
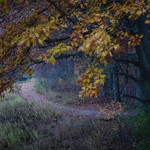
{"type": "Point", "coordinates": [28, 126]}
{"type": "Point", "coordinates": [60, 91]}
{"type": "Point", "coordinates": [20, 122]}
{"type": "Point", "coordinates": [142, 128]}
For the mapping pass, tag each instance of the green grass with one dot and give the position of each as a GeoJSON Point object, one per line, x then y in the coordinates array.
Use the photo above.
{"type": "Point", "coordinates": [142, 128]}
{"type": "Point", "coordinates": [10, 100]}
{"type": "Point", "coordinates": [23, 123]}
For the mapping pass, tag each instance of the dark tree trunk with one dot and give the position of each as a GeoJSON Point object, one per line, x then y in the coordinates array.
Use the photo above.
{"type": "Point", "coordinates": [143, 53]}
{"type": "Point", "coordinates": [115, 84]}
{"type": "Point", "coordinates": [126, 85]}
{"type": "Point", "coordinates": [144, 88]}
{"type": "Point", "coordinates": [138, 91]}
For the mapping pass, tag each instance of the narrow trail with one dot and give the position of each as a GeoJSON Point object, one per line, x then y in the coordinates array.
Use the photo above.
{"type": "Point", "coordinates": [27, 91]}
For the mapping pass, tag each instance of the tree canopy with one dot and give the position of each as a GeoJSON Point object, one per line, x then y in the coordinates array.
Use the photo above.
{"type": "Point", "coordinates": [34, 31]}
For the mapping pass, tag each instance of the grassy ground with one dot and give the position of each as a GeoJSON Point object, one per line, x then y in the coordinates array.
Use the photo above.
{"type": "Point", "coordinates": [61, 91]}
{"type": "Point", "coordinates": [28, 126]}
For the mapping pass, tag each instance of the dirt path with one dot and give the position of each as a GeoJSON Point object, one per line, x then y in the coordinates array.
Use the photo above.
{"type": "Point", "coordinates": [27, 91]}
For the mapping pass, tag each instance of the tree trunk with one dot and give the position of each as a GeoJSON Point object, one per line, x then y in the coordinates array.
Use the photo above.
{"type": "Point", "coordinates": [138, 91]}
{"type": "Point", "coordinates": [144, 88]}
{"type": "Point", "coordinates": [126, 85]}
{"type": "Point", "coordinates": [115, 84]}
{"type": "Point", "coordinates": [143, 53]}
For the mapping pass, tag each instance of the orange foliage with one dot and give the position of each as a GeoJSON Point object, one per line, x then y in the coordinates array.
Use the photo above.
{"type": "Point", "coordinates": [97, 31]}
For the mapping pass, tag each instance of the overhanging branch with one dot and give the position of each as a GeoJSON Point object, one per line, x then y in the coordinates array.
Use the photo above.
{"type": "Point", "coordinates": [136, 63]}
{"type": "Point", "coordinates": [78, 54]}
{"type": "Point", "coordinates": [49, 40]}
{"type": "Point", "coordinates": [60, 11]}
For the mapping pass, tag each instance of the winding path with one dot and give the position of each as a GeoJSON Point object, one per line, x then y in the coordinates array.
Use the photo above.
{"type": "Point", "coordinates": [27, 91]}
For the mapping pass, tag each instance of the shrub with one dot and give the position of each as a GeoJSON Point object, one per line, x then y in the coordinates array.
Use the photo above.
{"type": "Point", "coordinates": [142, 128]}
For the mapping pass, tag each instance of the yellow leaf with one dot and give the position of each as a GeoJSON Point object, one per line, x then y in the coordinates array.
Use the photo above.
{"type": "Point", "coordinates": [40, 41]}
{"type": "Point", "coordinates": [28, 42]}
{"type": "Point", "coordinates": [147, 21]}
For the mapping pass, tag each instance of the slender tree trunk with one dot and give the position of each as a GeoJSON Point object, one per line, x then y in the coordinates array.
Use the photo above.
{"type": "Point", "coordinates": [138, 91]}
{"type": "Point", "coordinates": [111, 86]}
{"type": "Point", "coordinates": [126, 85]}
{"type": "Point", "coordinates": [115, 84]}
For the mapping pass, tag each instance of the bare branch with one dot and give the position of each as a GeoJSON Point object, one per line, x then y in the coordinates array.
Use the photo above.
{"type": "Point", "coordinates": [60, 11]}
{"type": "Point", "coordinates": [127, 60]}
{"type": "Point", "coordinates": [137, 98]}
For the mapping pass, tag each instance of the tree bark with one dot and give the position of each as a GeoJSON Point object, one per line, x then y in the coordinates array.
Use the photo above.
{"type": "Point", "coordinates": [115, 84]}
{"type": "Point", "coordinates": [138, 91]}
{"type": "Point", "coordinates": [143, 53]}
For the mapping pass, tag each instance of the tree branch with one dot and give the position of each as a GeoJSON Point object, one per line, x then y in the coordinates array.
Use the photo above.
{"type": "Point", "coordinates": [137, 98]}
{"type": "Point", "coordinates": [78, 54]}
{"type": "Point", "coordinates": [48, 40]}
{"type": "Point", "coordinates": [130, 76]}
{"type": "Point", "coordinates": [136, 63]}
{"type": "Point", "coordinates": [60, 11]}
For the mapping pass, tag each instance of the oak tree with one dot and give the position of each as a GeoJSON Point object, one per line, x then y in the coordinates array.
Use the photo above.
{"type": "Point", "coordinates": [34, 31]}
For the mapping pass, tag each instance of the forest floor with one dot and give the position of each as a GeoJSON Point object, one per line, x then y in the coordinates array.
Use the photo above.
{"type": "Point", "coordinates": [29, 120]}
{"type": "Point", "coordinates": [27, 91]}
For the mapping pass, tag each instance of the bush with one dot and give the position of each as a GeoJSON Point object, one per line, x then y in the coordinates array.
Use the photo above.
{"type": "Point", "coordinates": [142, 128]}
{"type": "Point", "coordinates": [10, 99]}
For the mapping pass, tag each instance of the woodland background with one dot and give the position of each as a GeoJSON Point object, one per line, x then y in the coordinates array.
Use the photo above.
{"type": "Point", "coordinates": [75, 50]}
